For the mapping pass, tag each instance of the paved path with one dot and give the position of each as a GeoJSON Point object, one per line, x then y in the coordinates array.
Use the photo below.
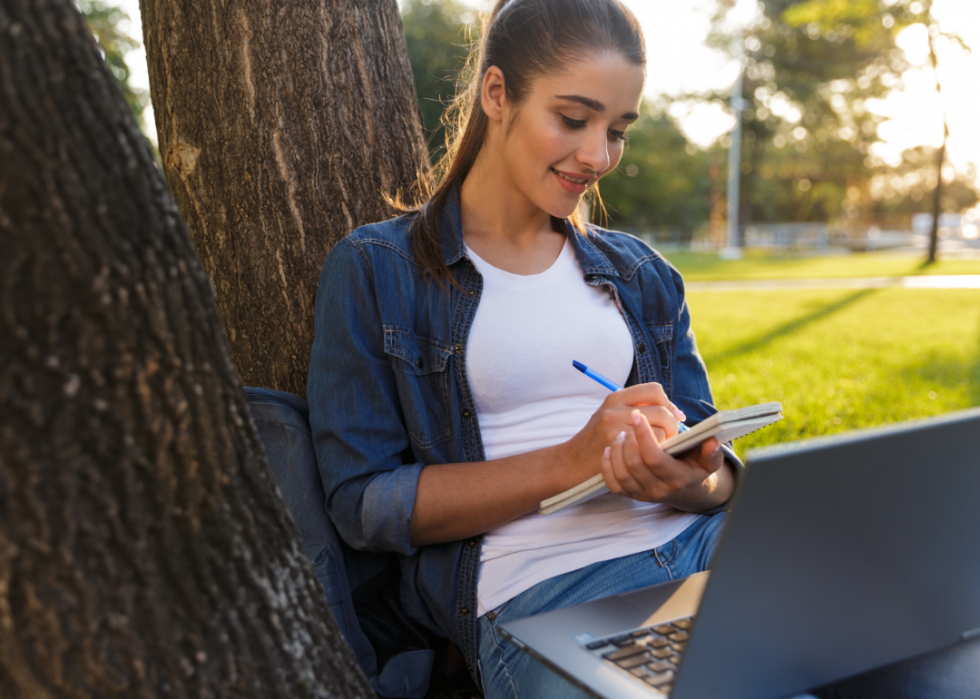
{"type": "Point", "coordinates": [933, 281]}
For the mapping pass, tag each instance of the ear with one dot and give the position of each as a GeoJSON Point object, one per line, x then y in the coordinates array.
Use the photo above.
{"type": "Point", "coordinates": [492, 94]}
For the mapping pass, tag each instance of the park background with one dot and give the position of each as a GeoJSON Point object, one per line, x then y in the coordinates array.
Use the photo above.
{"type": "Point", "coordinates": [839, 143]}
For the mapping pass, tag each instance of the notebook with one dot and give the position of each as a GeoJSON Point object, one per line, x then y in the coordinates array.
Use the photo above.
{"type": "Point", "coordinates": [725, 425]}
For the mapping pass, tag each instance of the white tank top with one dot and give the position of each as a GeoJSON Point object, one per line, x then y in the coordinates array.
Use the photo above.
{"type": "Point", "coordinates": [526, 332]}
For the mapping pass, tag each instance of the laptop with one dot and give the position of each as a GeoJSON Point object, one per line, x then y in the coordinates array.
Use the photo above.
{"type": "Point", "coordinates": [840, 554]}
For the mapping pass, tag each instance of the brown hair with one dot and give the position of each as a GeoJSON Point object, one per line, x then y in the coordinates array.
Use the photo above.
{"type": "Point", "coordinates": [524, 39]}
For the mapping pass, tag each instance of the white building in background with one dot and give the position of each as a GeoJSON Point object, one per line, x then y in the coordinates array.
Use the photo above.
{"type": "Point", "coordinates": [966, 226]}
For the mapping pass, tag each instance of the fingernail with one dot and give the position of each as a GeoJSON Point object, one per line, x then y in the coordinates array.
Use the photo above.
{"type": "Point", "coordinates": [606, 453]}
{"type": "Point", "coordinates": [620, 437]}
{"type": "Point", "coordinates": [679, 414]}
{"type": "Point", "coordinates": [637, 418]}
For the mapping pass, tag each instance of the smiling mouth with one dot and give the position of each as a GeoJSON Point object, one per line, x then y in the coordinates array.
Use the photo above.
{"type": "Point", "coordinates": [570, 179]}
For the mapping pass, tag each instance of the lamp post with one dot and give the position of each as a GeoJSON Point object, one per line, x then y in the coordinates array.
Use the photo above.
{"type": "Point", "coordinates": [733, 248]}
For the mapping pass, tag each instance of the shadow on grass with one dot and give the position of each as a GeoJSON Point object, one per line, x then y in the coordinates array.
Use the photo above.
{"type": "Point", "coordinates": [949, 379]}
{"type": "Point", "coordinates": [789, 328]}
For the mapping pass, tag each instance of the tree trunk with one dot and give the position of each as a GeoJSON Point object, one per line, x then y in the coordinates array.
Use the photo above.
{"type": "Point", "coordinates": [144, 549]}
{"type": "Point", "coordinates": [281, 127]}
{"type": "Point", "coordinates": [937, 199]}
{"type": "Point", "coordinates": [937, 194]}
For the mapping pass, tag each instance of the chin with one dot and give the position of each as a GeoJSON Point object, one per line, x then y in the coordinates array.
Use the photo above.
{"type": "Point", "coordinates": [563, 209]}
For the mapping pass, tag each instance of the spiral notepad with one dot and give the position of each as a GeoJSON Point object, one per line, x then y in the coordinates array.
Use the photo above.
{"type": "Point", "coordinates": [725, 426]}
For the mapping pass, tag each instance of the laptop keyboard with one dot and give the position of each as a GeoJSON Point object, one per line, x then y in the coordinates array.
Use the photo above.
{"type": "Point", "coordinates": [651, 654]}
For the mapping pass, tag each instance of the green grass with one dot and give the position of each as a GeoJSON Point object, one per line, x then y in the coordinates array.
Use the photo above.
{"type": "Point", "coordinates": [703, 267]}
{"type": "Point", "coordinates": [840, 359]}
{"type": "Point", "coordinates": [837, 360]}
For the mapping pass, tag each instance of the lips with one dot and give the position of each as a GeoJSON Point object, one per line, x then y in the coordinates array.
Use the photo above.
{"type": "Point", "coordinates": [570, 183]}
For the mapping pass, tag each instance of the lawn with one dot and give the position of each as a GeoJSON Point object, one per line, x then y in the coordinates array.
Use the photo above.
{"type": "Point", "coordinates": [703, 267]}
{"type": "Point", "coordinates": [840, 359]}
{"type": "Point", "coordinates": [837, 359]}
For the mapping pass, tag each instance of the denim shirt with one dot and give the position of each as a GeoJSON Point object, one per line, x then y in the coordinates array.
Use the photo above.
{"type": "Point", "coordinates": [388, 392]}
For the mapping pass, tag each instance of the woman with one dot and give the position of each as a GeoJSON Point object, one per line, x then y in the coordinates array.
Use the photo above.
{"type": "Point", "coordinates": [443, 399]}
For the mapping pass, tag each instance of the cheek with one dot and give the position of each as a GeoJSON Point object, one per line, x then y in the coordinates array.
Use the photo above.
{"type": "Point", "coordinates": [548, 144]}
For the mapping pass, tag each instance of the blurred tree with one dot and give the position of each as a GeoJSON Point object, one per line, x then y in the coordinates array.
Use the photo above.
{"type": "Point", "coordinates": [873, 21]}
{"type": "Point", "coordinates": [935, 33]}
{"type": "Point", "coordinates": [663, 180]}
{"type": "Point", "coordinates": [438, 38]}
{"type": "Point", "coordinates": [106, 22]}
{"type": "Point", "coordinates": [810, 68]}
{"type": "Point", "coordinates": [902, 191]}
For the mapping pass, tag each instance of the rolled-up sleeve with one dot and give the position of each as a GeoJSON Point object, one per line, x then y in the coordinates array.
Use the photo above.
{"type": "Point", "coordinates": [355, 414]}
{"type": "Point", "coordinates": [693, 392]}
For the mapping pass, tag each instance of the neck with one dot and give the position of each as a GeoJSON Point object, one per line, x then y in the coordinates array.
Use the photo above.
{"type": "Point", "coordinates": [502, 225]}
{"type": "Point", "coordinates": [494, 209]}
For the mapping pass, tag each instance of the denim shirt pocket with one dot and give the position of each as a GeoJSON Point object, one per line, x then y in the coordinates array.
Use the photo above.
{"type": "Point", "coordinates": [663, 338]}
{"type": "Point", "coordinates": [420, 365]}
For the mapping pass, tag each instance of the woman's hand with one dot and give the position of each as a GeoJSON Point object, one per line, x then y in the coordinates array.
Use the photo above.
{"type": "Point", "coordinates": [585, 449]}
{"type": "Point", "coordinates": [635, 466]}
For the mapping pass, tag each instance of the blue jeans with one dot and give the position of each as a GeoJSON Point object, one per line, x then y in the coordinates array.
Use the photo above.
{"type": "Point", "coordinates": [512, 674]}
{"type": "Point", "coordinates": [509, 673]}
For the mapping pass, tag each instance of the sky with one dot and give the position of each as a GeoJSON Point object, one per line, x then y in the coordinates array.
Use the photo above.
{"type": "Point", "coordinates": [679, 63]}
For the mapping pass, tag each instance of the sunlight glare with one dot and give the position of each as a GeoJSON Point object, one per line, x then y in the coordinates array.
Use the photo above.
{"type": "Point", "coordinates": [914, 41]}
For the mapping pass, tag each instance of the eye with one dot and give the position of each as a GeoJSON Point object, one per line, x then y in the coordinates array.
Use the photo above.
{"type": "Point", "coordinates": [619, 135]}
{"type": "Point", "coordinates": [572, 123]}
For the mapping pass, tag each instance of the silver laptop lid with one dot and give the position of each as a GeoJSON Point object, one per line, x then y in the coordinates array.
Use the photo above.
{"type": "Point", "coordinates": [842, 554]}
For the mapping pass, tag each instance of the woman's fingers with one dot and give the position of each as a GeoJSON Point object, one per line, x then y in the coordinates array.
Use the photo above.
{"type": "Point", "coordinates": [710, 456]}
{"type": "Point", "coordinates": [647, 394]}
{"type": "Point", "coordinates": [620, 470]}
{"type": "Point", "coordinates": [608, 470]}
{"type": "Point", "coordinates": [647, 439]}
{"type": "Point", "coordinates": [662, 421]}
{"type": "Point", "coordinates": [619, 478]}
{"type": "Point", "coordinates": [635, 466]}
{"type": "Point", "coordinates": [645, 472]}
{"type": "Point", "coordinates": [640, 470]}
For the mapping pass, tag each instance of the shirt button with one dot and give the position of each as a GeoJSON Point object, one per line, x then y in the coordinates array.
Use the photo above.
{"type": "Point", "coordinates": [471, 543]}
{"type": "Point", "coordinates": [467, 414]}
{"type": "Point", "coordinates": [471, 293]}
{"type": "Point", "coordinates": [642, 349]}
{"type": "Point", "coordinates": [491, 616]}
{"type": "Point", "coordinates": [465, 611]}
{"type": "Point", "coordinates": [457, 348]}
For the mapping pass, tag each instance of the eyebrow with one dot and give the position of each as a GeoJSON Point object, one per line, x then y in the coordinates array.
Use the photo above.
{"type": "Point", "coordinates": [595, 105]}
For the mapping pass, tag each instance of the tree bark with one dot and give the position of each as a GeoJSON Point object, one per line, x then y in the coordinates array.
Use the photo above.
{"type": "Point", "coordinates": [144, 549]}
{"type": "Point", "coordinates": [281, 126]}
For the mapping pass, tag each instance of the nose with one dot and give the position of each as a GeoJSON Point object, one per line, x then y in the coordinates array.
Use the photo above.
{"type": "Point", "coordinates": [593, 154]}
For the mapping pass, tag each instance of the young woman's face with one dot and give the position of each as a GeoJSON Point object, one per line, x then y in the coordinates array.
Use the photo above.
{"type": "Point", "coordinates": [570, 130]}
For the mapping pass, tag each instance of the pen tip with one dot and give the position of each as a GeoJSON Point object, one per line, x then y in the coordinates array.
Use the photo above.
{"type": "Point", "coordinates": [578, 365]}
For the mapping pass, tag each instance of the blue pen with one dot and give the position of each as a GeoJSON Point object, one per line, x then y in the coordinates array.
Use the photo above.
{"type": "Point", "coordinates": [612, 386]}
{"type": "Point", "coordinates": [596, 376]}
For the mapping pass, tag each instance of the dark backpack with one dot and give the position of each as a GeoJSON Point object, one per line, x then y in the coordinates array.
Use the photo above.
{"type": "Point", "coordinates": [357, 584]}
